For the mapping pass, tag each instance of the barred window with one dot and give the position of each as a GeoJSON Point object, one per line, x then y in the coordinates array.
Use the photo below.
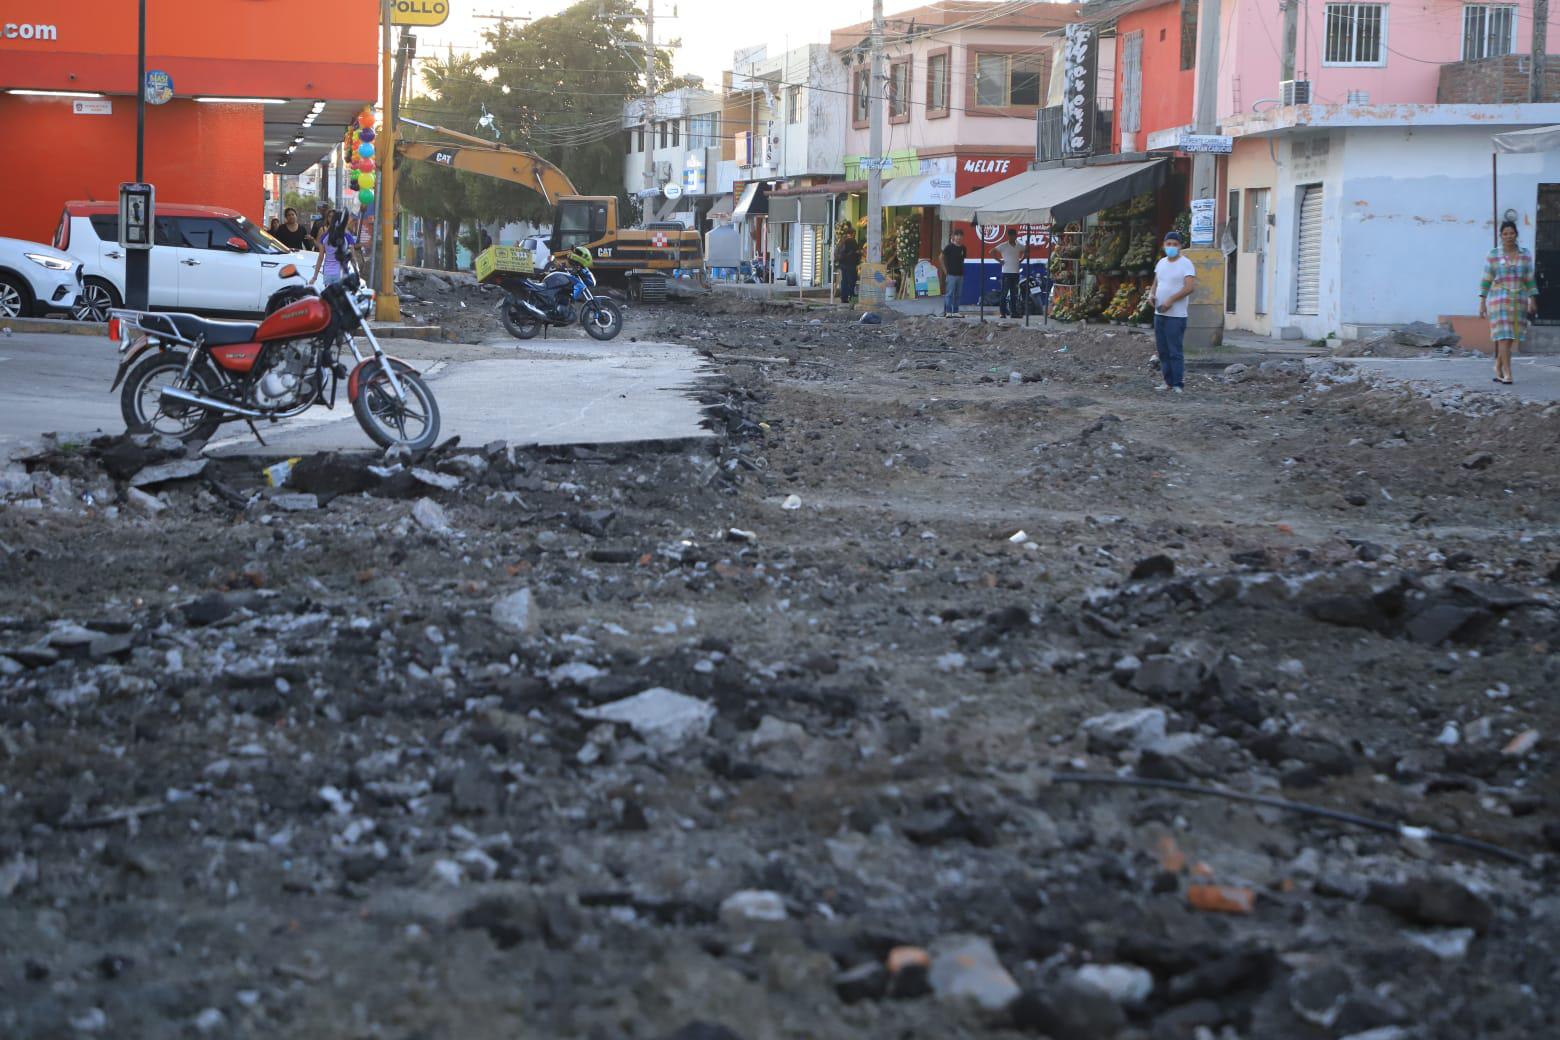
{"type": "Point", "coordinates": [1356, 34]}
{"type": "Point", "coordinates": [1489, 31]}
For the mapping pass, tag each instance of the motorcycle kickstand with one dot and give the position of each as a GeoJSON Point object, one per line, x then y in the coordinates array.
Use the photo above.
{"type": "Point", "coordinates": [256, 431]}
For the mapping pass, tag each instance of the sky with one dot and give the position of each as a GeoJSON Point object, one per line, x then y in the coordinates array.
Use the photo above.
{"type": "Point", "coordinates": [710, 30]}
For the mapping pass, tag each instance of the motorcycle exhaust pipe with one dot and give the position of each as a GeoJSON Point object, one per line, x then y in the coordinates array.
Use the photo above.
{"type": "Point", "coordinates": [170, 393]}
{"type": "Point", "coordinates": [534, 309]}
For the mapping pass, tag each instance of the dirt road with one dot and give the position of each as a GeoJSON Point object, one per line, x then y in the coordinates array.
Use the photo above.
{"type": "Point", "coordinates": [889, 712]}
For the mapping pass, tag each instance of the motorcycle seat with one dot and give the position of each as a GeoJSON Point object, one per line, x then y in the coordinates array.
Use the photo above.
{"type": "Point", "coordinates": [191, 327]}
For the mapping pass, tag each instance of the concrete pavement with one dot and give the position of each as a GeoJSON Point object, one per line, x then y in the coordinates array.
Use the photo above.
{"type": "Point", "coordinates": [548, 392]}
{"type": "Point", "coordinates": [1537, 379]}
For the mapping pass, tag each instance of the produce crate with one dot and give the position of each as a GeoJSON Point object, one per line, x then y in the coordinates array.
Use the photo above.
{"type": "Point", "coordinates": [496, 260]}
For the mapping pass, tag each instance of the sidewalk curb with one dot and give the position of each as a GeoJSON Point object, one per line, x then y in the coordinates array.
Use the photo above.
{"type": "Point", "coordinates": [58, 326]}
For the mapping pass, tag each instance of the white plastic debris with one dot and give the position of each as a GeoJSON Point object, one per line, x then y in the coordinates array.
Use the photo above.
{"type": "Point", "coordinates": [792, 502]}
{"type": "Point", "coordinates": [662, 718]}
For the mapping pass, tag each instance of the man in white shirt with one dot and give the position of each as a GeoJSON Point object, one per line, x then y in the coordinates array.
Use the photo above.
{"type": "Point", "coordinates": [1175, 279]}
{"type": "Point", "coordinates": [1012, 260]}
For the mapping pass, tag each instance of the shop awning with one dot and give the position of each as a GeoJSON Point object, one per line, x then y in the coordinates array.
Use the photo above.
{"type": "Point", "coordinates": [722, 208]}
{"type": "Point", "coordinates": [926, 189]}
{"type": "Point", "coordinates": [807, 209]}
{"type": "Point", "coordinates": [1057, 195]}
{"type": "Point", "coordinates": [754, 200]}
{"type": "Point", "coordinates": [1522, 142]}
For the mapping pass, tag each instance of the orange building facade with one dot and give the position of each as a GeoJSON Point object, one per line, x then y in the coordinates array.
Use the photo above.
{"type": "Point", "coordinates": [247, 76]}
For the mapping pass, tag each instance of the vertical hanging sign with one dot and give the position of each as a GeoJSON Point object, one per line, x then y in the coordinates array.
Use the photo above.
{"type": "Point", "coordinates": [1079, 60]}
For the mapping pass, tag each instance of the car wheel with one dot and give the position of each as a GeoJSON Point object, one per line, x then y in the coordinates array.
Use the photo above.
{"type": "Point", "coordinates": [15, 298]}
{"type": "Point", "coordinates": [97, 298]}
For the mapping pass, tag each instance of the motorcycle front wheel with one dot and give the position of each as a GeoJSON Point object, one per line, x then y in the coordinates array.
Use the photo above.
{"type": "Point", "coordinates": [602, 318]}
{"type": "Point", "coordinates": [141, 404]}
{"type": "Point", "coordinates": [519, 323]}
{"type": "Point", "coordinates": [389, 420]}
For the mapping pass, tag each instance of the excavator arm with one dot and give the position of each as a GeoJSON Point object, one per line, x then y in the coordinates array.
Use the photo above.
{"type": "Point", "coordinates": [474, 155]}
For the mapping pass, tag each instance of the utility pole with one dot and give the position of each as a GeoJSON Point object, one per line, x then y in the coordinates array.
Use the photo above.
{"type": "Point", "coordinates": [1291, 30]}
{"type": "Point", "coordinates": [649, 102]}
{"type": "Point", "coordinates": [138, 262]}
{"type": "Point", "coordinates": [387, 303]}
{"type": "Point", "coordinates": [871, 290]}
{"type": "Point", "coordinates": [1540, 39]}
{"type": "Point", "coordinates": [1206, 324]}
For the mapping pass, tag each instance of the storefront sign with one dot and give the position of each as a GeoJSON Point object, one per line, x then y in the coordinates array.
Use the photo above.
{"type": "Point", "coordinates": [869, 163]}
{"type": "Point", "coordinates": [1214, 144]}
{"type": "Point", "coordinates": [159, 87]}
{"type": "Point", "coordinates": [1000, 167]}
{"type": "Point", "coordinates": [672, 190]}
{"type": "Point", "coordinates": [1202, 222]}
{"type": "Point", "coordinates": [1079, 57]}
{"type": "Point", "coordinates": [93, 107]}
{"type": "Point", "coordinates": [419, 12]}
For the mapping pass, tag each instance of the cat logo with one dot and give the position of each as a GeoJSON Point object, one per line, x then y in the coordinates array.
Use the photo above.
{"type": "Point", "coordinates": [447, 158]}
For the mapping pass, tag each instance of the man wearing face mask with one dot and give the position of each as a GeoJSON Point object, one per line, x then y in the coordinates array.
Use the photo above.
{"type": "Point", "coordinates": [1175, 279]}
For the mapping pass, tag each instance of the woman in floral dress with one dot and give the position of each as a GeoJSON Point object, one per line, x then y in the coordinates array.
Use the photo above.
{"type": "Point", "coordinates": [1508, 295]}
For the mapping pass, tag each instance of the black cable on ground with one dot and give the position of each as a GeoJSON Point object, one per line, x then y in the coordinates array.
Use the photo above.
{"type": "Point", "coordinates": [1472, 844]}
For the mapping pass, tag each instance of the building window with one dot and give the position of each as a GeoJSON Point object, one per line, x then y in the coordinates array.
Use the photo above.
{"type": "Point", "coordinates": [676, 133]}
{"type": "Point", "coordinates": [1188, 34]}
{"type": "Point", "coordinates": [899, 91]}
{"type": "Point", "coordinates": [663, 133]}
{"type": "Point", "coordinates": [859, 96]}
{"type": "Point", "coordinates": [1356, 34]}
{"type": "Point", "coordinates": [641, 140]}
{"type": "Point", "coordinates": [704, 130]}
{"type": "Point", "coordinates": [1008, 80]}
{"type": "Point", "coordinates": [793, 105]}
{"type": "Point", "coordinates": [937, 82]}
{"type": "Point", "coordinates": [1489, 30]}
{"type": "Point", "coordinates": [628, 143]}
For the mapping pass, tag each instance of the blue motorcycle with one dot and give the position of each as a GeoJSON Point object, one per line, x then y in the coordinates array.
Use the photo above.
{"type": "Point", "coordinates": [565, 293]}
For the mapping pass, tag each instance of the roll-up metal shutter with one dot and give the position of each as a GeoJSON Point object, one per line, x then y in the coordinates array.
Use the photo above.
{"type": "Point", "coordinates": [783, 210]}
{"type": "Point", "coordinates": [1308, 251]}
{"type": "Point", "coordinates": [815, 209]}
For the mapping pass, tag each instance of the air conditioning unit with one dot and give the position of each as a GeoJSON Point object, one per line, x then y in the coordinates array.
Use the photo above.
{"type": "Point", "coordinates": [1295, 92]}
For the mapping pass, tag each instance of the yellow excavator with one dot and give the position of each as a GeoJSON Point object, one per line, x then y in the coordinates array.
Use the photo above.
{"type": "Point", "coordinates": [641, 261]}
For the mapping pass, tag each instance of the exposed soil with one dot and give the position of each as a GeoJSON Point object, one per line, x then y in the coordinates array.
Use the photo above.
{"type": "Point", "coordinates": [268, 770]}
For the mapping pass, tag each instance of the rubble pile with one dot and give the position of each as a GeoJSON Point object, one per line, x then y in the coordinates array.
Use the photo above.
{"type": "Point", "coordinates": [455, 301]}
{"type": "Point", "coordinates": [921, 701]}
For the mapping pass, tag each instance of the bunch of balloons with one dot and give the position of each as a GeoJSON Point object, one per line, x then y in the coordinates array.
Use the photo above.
{"type": "Point", "coordinates": [359, 141]}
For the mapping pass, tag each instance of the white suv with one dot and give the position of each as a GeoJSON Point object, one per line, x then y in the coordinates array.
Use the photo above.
{"type": "Point", "coordinates": [204, 259]}
{"type": "Point", "coordinates": [36, 279]}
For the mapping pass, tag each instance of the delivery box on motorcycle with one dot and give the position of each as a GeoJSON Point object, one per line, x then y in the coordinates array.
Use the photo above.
{"type": "Point", "coordinates": [495, 261]}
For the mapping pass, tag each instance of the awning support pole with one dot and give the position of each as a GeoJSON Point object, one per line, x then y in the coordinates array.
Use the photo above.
{"type": "Point", "coordinates": [980, 289]}
{"type": "Point", "coordinates": [1495, 196]}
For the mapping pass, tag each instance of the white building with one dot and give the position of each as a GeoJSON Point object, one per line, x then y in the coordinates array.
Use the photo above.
{"type": "Point", "coordinates": [1350, 219]}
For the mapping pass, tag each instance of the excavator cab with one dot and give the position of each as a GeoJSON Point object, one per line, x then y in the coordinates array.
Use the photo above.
{"type": "Point", "coordinates": [582, 221]}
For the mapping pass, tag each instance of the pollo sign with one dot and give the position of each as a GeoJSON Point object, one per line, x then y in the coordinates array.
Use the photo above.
{"type": "Point", "coordinates": [419, 12]}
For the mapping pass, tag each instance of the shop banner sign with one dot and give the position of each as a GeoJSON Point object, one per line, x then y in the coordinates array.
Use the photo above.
{"type": "Point", "coordinates": [1079, 57]}
{"type": "Point", "coordinates": [1202, 222]}
{"type": "Point", "coordinates": [693, 175]}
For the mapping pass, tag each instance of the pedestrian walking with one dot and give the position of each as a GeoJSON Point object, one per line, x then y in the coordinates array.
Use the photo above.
{"type": "Point", "coordinates": [290, 232]}
{"type": "Point", "coordinates": [1508, 294]}
{"type": "Point", "coordinates": [334, 237]}
{"type": "Point", "coordinates": [320, 223]}
{"type": "Point", "coordinates": [847, 258]}
{"type": "Point", "coordinates": [951, 264]}
{"type": "Point", "coordinates": [1012, 259]}
{"type": "Point", "coordinates": [1175, 279]}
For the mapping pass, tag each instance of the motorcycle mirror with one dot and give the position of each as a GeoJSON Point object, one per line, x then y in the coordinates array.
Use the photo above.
{"type": "Point", "coordinates": [238, 244]}
{"type": "Point", "coordinates": [289, 271]}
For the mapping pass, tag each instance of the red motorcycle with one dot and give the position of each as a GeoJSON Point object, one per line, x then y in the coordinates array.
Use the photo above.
{"type": "Point", "coordinates": [184, 376]}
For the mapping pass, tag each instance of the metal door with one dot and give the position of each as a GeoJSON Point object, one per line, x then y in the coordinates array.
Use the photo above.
{"type": "Point", "coordinates": [1308, 250]}
{"type": "Point", "coordinates": [1257, 243]}
{"type": "Point", "coordinates": [1231, 259]}
{"type": "Point", "coordinates": [1546, 254]}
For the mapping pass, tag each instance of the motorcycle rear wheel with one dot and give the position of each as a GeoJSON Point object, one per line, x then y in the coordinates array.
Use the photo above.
{"type": "Point", "coordinates": [388, 420]}
{"type": "Point", "coordinates": [140, 399]}
{"type": "Point", "coordinates": [602, 318]}
{"type": "Point", "coordinates": [519, 324]}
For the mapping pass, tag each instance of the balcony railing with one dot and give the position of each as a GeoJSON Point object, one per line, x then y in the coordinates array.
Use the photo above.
{"type": "Point", "coordinates": [1495, 81]}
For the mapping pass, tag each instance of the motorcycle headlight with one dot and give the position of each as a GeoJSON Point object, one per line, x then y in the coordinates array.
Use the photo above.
{"type": "Point", "coordinates": [53, 263]}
